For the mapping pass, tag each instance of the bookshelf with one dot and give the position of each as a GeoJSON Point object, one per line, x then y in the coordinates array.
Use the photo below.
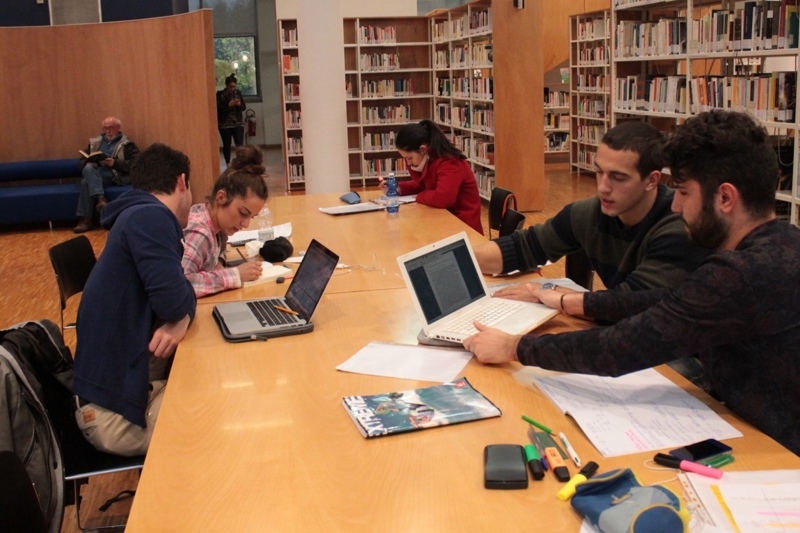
{"type": "Point", "coordinates": [556, 117]}
{"type": "Point", "coordinates": [388, 78]}
{"type": "Point", "coordinates": [589, 94]}
{"type": "Point", "coordinates": [674, 59]}
{"type": "Point", "coordinates": [463, 89]}
{"type": "Point", "coordinates": [470, 119]}
{"type": "Point", "coordinates": [292, 140]}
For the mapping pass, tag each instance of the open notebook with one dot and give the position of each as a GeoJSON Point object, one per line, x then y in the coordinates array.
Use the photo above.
{"type": "Point", "coordinates": [449, 293]}
{"type": "Point", "coordinates": [364, 207]}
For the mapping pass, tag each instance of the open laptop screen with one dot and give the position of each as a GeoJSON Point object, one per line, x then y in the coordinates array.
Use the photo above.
{"type": "Point", "coordinates": [311, 279]}
{"type": "Point", "coordinates": [445, 280]}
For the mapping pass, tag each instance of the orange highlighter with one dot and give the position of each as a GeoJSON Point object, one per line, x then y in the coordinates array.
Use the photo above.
{"type": "Point", "coordinates": [557, 464]}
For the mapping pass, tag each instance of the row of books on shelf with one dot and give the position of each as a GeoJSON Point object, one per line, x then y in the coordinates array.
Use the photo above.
{"type": "Point", "coordinates": [557, 141]}
{"type": "Point", "coordinates": [642, 39]}
{"type": "Point", "coordinates": [382, 166]}
{"type": "Point", "coordinates": [291, 92]}
{"type": "Point", "coordinates": [463, 56]}
{"type": "Point", "coordinates": [591, 82]}
{"type": "Point", "coordinates": [486, 180]}
{"type": "Point", "coordinates": [591, 108]}
{"type": "Point", "coordinates": [556, 121]}
{"type": "Point", "coordinates": [387, 88]}
{"type": "Point", "coordinates": [766, 97]}
{"type": "Point", "coordinates": [477, 22]}
{"type": "Point", "coordinates": [553, 98]}
{"type": "Point", "coordinates": [593, 55]}
{"type": "Point", "coordinates": [591, 29]}
{"type": "Point", "coordinates": [464, 117]}
{"type": "Point", "coordinates": [586, 158]}
{"type": "Point", "coordinates": [289, 37]}
{"type": "Point", "coordinates": [478, 88]}
{"type": "Point", "coordinates": [589, 133]}
{"type": "Point", "coordinates": [762, 25]}
{"type": "Point", "coordinates": [386, 114]}
{"type": "Point", "coordinates": [296, 171]}
{"type": "Point", "coordinates": [291, 64]}
{"type": "Point", "coordinates": [293, 118]}
{"type": "Point", "coordinates": [658, 94]}
{"type": "Point", "coordinates": [294, 145]}
{"type": "Point", "coordinates": [379, 141]}
{"type": "Point", "coordinates": [479, 150]}
{"type": "Point", "coordinates": [379, 61]}
{"type": "Point", "coordinates": [375, 35]}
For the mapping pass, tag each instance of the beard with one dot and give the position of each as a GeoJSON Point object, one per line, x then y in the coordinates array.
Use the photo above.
{"type": "Point", "coordinates": [709, 230]}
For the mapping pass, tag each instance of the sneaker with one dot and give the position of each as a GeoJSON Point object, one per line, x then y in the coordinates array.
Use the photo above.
{"type": "Point", "coordinates": [101, 203]}
{"type": "Point", "coordinates": [83, 226]}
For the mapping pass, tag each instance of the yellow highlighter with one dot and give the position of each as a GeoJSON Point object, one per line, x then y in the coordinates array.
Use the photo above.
{"type": "Point", "coordinates": [569, 489]}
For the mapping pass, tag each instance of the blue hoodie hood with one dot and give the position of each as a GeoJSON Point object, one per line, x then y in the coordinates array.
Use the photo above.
{"type": "Point", "coordinates": [114, 209]}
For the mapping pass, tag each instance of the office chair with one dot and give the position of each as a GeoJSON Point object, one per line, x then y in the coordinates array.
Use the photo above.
{"type": "Point", "coordinates": [72, 261]}
{"type": "Point", "coordinates": [501, 201]}
{"type": "Point", "coordinates": [512, 221]}
{"type": "Point", "coordinates": [81, 460]}
{"type": "Point", "coordinates": [578, 269]}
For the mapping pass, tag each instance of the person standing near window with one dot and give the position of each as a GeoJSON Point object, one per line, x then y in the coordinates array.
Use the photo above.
{"type": "Point", "coordinates": [230, 116]}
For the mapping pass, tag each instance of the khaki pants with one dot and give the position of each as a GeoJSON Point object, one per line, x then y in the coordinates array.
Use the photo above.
{"type": "Point", "coordinates": [111, 432]}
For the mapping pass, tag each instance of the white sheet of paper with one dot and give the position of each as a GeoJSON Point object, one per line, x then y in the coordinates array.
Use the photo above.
{"type": "Point", "coordinates": [748, 495]}
{"type": "Point", "coordinates": [561, 282]}
{"type": "Point", "coordinates": [408, 362]}
{"type": "Point", "coordinates": [281, 230]}
{"type": "Point", "coordinates": [634, 413]}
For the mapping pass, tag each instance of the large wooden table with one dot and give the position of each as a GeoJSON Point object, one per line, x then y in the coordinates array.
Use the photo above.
{"type": "Point", "coordinates": [368, 242]}
{"type": "Point", "coordinates": [253, 437]}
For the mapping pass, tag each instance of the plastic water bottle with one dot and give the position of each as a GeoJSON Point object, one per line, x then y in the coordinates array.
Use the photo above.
{"type": "Point", "coordinates": [265, 229]}
{"type": "Point", "coordinates": [392, 200]}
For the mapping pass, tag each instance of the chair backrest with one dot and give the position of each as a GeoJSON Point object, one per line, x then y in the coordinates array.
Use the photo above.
{"type": "Point", "coordinates": [512, 221]}
{"type": "Point", "coordinates": [72, 261]}
{"type": "Point", "coordinates": [578, 269]}
{"type": "Point", "coordinates": [501, 201]}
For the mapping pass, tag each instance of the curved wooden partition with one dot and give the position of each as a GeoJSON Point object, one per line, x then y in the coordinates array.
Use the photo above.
{"type": "Point", "coordinates": [156, 75]}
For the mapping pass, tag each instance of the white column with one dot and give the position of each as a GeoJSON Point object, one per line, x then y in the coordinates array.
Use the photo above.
{"type": "Point", "coordinates": [321, 50]}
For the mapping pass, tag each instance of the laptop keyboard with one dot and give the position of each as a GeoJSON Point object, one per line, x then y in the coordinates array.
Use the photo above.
{"type": "Point", "coordinates": [267, 315]}
{"type": "Point", "coordinates": [487, 315]}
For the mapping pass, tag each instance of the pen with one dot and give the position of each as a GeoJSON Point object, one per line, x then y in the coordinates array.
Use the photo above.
{"type": "Point", "coordinates": [539, 449]}
{"type": "Point", "coordinates": [537, 424]}
{"type": "Point", "coordinates": [689, 466]}
{"type": "Point", "coordinates": [569, 489]}
{"type": "Point", "coordinates": [285, 310]}
{"type": "Point", "coordinates": [570, 450]}
{"type": "Point", "coordinates": [241, 254]}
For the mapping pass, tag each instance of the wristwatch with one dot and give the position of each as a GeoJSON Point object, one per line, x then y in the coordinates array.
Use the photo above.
{"type": "Point", "coordinates": [548, 286]}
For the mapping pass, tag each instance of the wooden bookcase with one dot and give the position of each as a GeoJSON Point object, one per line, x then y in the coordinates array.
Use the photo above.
{"type": "Point", "coordinates": [700, 56]}
{"type": "Point", "coordinates": [463, 87]}
{"type": "Point", "coordinates": [388, 79]}
{"type": "Point", "coordinates": [556, 118]}
{"type": "Point", "coordinates": [590, 82]}
{"type": "Point", "coordinates": [290, 100]}
{"type": "Point", "coordinates": [491, 120]}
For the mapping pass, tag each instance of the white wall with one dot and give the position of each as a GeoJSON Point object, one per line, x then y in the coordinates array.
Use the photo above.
{"type": "Point", "coordinates": [269, 114]}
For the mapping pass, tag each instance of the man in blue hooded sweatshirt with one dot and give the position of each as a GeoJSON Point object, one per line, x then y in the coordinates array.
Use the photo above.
{"type": "Point", "coordinates": [136, 306]}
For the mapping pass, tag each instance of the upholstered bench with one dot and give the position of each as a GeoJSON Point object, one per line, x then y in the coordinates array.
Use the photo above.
{"type": "Point", "coordinates": [39, 191]}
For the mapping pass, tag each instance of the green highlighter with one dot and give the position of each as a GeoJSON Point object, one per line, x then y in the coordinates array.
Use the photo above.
{"type": "Point", "coordinates": [718, 460]}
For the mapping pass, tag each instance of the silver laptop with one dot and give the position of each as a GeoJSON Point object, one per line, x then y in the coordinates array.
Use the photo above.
{"type": "Point", "coordinates": [448, 292]}
{"type": "Point", "coordinates": [288, 315]}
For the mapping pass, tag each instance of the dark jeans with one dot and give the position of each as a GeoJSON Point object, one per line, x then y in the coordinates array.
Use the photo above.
{"type": "Point", "coordinates": [237, 134]}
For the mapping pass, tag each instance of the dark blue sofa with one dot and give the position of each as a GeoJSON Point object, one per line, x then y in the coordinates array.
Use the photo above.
{"type": "Point", "coordinates": [39, 191]}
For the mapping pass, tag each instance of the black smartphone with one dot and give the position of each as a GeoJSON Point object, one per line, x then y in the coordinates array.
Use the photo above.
{"type": "Point", "coordinates": [700, 450]}
{"type": "Point", "coordinates": [504, 467]}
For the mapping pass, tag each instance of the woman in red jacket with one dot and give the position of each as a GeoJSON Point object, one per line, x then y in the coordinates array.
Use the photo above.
{"type": "Point", "coordinates": [440, 174]}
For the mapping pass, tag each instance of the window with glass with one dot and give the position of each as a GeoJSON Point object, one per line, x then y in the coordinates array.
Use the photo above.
{"type": "Point", "coordinates": [235, 42]}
